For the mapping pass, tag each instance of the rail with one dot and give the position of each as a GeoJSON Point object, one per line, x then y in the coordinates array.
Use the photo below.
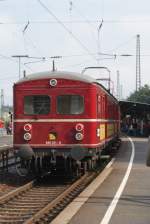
{"type": "Point", "coordinates": [32, 201]}
{"type": "Point", "coordinates": [36, 202]}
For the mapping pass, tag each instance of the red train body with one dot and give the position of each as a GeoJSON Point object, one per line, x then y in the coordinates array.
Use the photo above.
{"type": "Point", "coordinates": [65, 115]}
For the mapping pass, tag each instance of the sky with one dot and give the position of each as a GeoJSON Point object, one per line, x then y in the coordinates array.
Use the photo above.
{"type": "Point", "coordinates": [82, 32]}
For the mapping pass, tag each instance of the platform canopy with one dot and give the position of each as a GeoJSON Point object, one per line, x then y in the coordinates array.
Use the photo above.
{"type": "Point", "coordinates": [135, 109]}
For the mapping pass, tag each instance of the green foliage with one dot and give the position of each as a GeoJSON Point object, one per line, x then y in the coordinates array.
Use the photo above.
{"type": "Point", "coordinates": [142, 96]}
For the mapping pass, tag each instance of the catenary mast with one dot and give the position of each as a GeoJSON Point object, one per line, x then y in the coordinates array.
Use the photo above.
{"type": "Point", "coordinates": [138, 64]}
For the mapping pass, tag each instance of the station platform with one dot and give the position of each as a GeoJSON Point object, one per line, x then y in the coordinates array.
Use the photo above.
{"type": "Point", "coordinates": [6, 140]}
{"type": "Point", "coordinates": [2, 132]}
{"type": "Point", "coordinates": [122, 197]}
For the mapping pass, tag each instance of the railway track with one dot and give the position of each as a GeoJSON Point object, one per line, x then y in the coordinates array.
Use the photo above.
{"type": "Point", "coordinates": [9, 179]}
{"type": "Point", "coordinates": [39, 201]}
{"type": "Point", "coordinates": [36, 202]}
{"type": "Point", "coordinates": [7, 158]}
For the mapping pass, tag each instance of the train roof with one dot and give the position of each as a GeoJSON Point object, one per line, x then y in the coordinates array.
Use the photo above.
{"type": "Point", "coordinates": [63, 75]}
{"type": "Point", "coordinates": [58, 74]}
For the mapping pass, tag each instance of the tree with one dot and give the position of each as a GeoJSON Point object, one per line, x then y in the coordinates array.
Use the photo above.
{"type": "Point", "coordinates": [142, 96]}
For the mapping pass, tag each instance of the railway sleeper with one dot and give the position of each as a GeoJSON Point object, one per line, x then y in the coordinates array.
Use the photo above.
{"type": "Point", "coordinates": [3, 221]}
{"type": "Point", "coordinates": [15, 218]}
{"type": "Point", "coordinates": [15, 210]}
{"type": "Point", "coordinates": [48, 198]}
{"type": "Point", "coordinates": [17, 213]}
{"type": "Point", "coordinates": [35, 200]}
{"type": "Point", "coordinates": [24, 206]}
{"type": "Point", "coordinates": [46, 195]}
{"type": "Point", "coordinates": [45, 190]}
{"type": "Point", "coordinates": [29, 205]}
{"type": "Point", "coordinates": [42, 194]}
{"type": "Point", "coordinates": [23, 203]}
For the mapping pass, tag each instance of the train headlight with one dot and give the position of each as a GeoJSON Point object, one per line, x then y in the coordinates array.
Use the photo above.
{"type": "Point", "coordinates": [53, 82]}
{"type": "Point", "coordinates": [27, 127]}
{"type": "Point", "coordinates": [27, 136]}
{"type": "Point", "coordinates": [79, 136]}
{"type": "Point", "coordinates": [79, 127]}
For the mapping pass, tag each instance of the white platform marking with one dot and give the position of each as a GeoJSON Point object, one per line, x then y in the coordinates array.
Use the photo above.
{"type": "Point", "coordinates": [66, 215]}
{"type": "Point", "coordinates": [118, 194]}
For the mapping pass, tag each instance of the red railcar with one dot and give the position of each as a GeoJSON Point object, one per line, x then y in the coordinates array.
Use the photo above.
{"type": "Point", "coordinates": [62, 116]}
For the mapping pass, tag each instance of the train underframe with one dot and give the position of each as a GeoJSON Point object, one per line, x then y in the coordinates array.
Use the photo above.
{"type": "Point", "coordinates": [64, 161]}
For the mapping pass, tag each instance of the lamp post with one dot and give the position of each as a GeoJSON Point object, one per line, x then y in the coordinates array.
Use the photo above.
{"type": "Point", "coordinates": [19, 60]}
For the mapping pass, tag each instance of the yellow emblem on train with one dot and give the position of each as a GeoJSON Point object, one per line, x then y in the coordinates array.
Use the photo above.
{"type": "Point", "coordinates": [52, 136]}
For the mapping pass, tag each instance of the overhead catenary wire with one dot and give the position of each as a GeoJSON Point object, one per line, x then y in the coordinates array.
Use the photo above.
{"type": "Point", "coordinates": [87, 61]}
{"type": "Point", "coordinates": [31, 43]}
{"type": "Point", "coordinates": [86, 20]}
{"type": "Point", "coordinates": [6, 57]}
{"type": "Point", "coordinates": [27, 40]}
{"type": "Point", "coordinates": [97, 40]}
{"type": "Point", "coordinates": [123, 43]}
{"type": "Point", "coordinates": [13, 60]}
{"type": "Point", "coordinates": [9, 77]}
{"type": "Point", "coordinates": [79, 64]}
{"type": "Point", "coordinates": [63, 25]}
{"type": "Point", "coordinates": [75, 55]}
{"type": "Point", "coordinates": [75, 21]}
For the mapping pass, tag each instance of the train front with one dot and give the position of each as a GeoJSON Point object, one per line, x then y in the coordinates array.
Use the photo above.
{"type": "Point", "coordinates": [53, 121]}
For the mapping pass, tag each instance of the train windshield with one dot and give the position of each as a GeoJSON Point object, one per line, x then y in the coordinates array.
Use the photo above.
{"type": "Point", "coordinates": [70, 104]}
{"type": "Point", "coordinates": [37, 104]}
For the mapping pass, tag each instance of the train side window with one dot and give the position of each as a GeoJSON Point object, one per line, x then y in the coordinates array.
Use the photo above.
{"type": "Point", "coordinates": [37, 104]}
{"type": "Point", "coordinates": [103, 106]}
{"type": "Point", "coordinates": [70, 104]}
{"type": "Point", "coordinates": [99, 107]}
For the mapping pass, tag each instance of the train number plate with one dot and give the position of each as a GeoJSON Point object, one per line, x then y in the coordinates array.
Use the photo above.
{"type": "Point", "coordinates": [53, 142]}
